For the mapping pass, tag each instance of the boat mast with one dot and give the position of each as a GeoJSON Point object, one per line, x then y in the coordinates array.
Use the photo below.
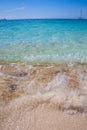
{"type": "Point", "coordinates": [80, 17]}
{"type": "Point", "coordinates": [81, 14]}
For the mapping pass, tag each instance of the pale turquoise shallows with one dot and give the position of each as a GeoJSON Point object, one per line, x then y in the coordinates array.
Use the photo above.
{"type": "Point", "coordinates": [43, 41]}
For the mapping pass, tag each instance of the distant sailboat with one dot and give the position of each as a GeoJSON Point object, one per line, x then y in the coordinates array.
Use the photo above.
{"type": "Point", "coordinates": [80, 17]}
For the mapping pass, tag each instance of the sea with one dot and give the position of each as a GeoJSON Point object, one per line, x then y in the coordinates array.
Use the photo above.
{"type": "Point", "coordinates": [39, 41]}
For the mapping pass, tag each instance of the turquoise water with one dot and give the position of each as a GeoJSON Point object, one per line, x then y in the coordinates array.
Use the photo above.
{"type": "Point", "coordinates": [43, 41]}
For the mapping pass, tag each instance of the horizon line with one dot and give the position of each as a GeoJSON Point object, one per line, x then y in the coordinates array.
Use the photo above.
{"type": "Point", "coordinates": [37, 18]}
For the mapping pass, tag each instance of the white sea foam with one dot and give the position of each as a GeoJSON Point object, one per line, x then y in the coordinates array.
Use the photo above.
{"type": "Point", "coordinates": [58, 93]}
{"type": "Point", "coordinates": [55, 58]}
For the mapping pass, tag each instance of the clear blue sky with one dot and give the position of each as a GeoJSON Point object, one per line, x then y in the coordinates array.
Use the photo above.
{"type": "Point", "coordinates": [13, 9]}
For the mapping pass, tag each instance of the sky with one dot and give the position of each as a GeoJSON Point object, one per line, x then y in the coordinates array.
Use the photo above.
{"type": "Point", "coordinates": [23, 9]}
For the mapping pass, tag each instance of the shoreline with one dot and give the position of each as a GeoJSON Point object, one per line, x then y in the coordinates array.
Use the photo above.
{"type": "Point", "coordinates": [4, 62]}
{"type": "Point", "coordinates": [32, 92]}
{"type": "Point", "coordinates": [46, 80]}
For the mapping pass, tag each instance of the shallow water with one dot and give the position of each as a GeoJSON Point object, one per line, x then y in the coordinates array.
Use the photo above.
{"type": "Point", "coordinates": [43, 41]}
{"type": "Point", "coordinates": [61, 87]}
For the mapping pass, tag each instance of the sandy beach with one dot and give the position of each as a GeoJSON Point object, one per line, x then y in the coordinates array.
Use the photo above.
{"type": "Point", "coordinates": [22, 117]}
{"type": "Point", "coordinates": [39, 97]}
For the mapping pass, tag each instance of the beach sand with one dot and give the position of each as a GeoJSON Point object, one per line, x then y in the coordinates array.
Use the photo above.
{"type": "Point", "coordinates": [43, 117]}
{"type": "Point", "coordinates": [43, 97]}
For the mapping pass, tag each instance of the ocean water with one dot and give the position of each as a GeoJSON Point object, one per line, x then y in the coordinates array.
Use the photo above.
{"type": "Point", "coordinates": [43, 41]}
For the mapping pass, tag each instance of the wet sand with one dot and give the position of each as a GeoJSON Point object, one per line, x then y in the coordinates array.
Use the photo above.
{"type": "Point", "coordinates": [43, 117]}
{"type": "Point", "coordinates": [51, 97]}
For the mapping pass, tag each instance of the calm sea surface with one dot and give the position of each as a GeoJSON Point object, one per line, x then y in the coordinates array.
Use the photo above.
{"type": "Point", "coordinates": [43, 41]}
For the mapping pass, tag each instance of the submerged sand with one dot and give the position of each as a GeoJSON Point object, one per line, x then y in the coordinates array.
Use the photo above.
{"type": "Point", "coordinates": [39, 97]}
